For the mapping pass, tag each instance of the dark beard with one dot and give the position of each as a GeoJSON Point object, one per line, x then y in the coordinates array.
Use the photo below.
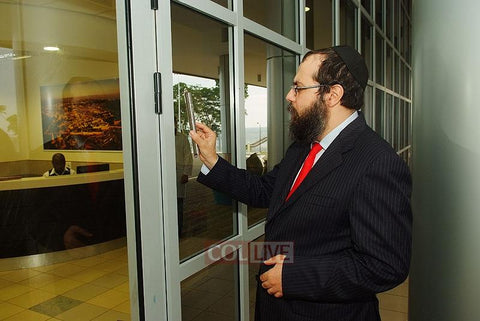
{"type": "Point", "coordinates": [308, 127]}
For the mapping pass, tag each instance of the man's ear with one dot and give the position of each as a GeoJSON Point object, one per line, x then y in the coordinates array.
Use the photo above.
{"type": "Point", "coordinates": [334, 96]}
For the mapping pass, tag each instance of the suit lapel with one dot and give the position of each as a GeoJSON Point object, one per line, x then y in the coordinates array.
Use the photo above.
{"type": "Point", "coordinates": [331, 159]}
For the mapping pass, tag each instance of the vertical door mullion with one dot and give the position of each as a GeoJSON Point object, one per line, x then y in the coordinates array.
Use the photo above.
{"type": "Point", "coordinates": [167, 159]}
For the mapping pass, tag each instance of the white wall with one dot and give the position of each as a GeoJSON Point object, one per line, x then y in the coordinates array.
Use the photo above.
{"type": "Point", "coordinates": [445, 273]}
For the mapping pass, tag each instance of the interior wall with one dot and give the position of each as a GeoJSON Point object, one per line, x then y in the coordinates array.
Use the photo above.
{"type": "Point", "coordinates": [444, 276]}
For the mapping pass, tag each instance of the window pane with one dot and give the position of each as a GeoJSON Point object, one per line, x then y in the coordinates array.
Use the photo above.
{"type": "Point", "coordinates": [396, 25]}
{"type": "Point", "coordinates": [379, 58]}
{"type": "Point", "coordinates": [225, 3]}
{"type": "Point", "coordinates": [389, 119]}
{"type": "Point", "coordinates": [389, 18]}
{"type": "Point", "coordinates": [211, 294]}
{"type": "Point", "coordinates": [379, 13]}
{"type": "Point", "coordinates": [277, 15]}
{"type": "Point", "coordinates": [269, 71]}
{"type": "Point", "coordinates": [205, 216]}
{"type": "Point", "coordinates": [62, 232]}
{"type": "Point", "coordinates": [379, 112]}
{"type": "Point", "coordinates": [348, 20]}
{"type": "Point", "coordinates": [367, 4]}
{"type": "Point", "coordinates": [253, 268]}
{"type": "Point", "coordinates": [389, 66]}
{"type": "Point", "coordinates": [368, 107]}
{"type": "Point", "coordinates": [367, 45]}
{"type": "Point", "coordinates": [318, 23]}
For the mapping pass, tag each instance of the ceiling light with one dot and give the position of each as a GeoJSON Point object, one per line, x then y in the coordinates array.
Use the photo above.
{"type": "Point", "coordinates": [49, 48]}
{"type": "Point", "coordinates": [21, 57]}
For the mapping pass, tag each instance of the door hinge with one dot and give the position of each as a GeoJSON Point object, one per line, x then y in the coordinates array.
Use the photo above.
{"type": "Point", "coordinates": [157, 91]}
{"type": "Point", "coordinates": [154, 4]}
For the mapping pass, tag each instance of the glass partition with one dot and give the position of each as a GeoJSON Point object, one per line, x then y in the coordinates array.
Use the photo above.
{"type": "Point", "coordinates": [62, 208]}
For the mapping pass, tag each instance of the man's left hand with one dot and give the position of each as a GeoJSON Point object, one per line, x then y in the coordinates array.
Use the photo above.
{"type": "Point", "coordinates": [272, 279]}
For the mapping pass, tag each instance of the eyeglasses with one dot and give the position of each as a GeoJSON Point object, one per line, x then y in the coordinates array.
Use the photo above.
{"type": "Point", "coordinates": [296, 88]}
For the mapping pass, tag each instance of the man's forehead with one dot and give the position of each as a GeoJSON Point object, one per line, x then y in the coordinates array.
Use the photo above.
{"type": "Point", "coordinates": [308, 68]}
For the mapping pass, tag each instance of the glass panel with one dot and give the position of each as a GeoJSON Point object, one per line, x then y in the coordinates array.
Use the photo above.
{"type": "Point", "coordinates": [212, 293]}
{"type": "Point", "coordinates": [277, 15]}
{"type": "Point", "coordinates": [388, 18]}
{"type": "Point", "coordinates": [379, 13]}
{"type": "Point", "coordinates": [253, 268]}
{"type": "Point", "coordinates": [402, 31]}
{"type": "Point", "coordinates": [367, 4]}
{"type": "Point", "coordinates": [201, 59]}
{"type": "Point", "coordinates": [379, 112]}
{"type": "Point", "coordinates": [396, 76]}
{"type": "Point", "coordinates": [367, 45]}
{"type": "Point", "coordinates": [318, 16]}
{"type": "Point", "coordinates": [368, 107]}
{"type": "Point", "coordinates": [62, 232]}
{"type": "Point", "coordinates": [379, 58]}
{"type": "Point", "coordinates": [269, 71]}
{"type": "Point", "coordinates": [396, 23]}
{"type": "Point", "coordinates": [348, 20]}
{"type": "Point", "coordinates": [388, 124]}
{"type": "Point", "coordinates": [225, 3]}
{"type": "Point", "coordinates": [407, 82]}
{"type": "Point", "coordinates": [389, 66]}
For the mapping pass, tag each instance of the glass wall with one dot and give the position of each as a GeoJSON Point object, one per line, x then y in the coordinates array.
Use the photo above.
{"type": "Point", "coordinates": [62, 208]}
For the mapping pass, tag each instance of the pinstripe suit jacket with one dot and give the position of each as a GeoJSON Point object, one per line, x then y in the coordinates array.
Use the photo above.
{"type": "Point", "coordinates": [350, 221]}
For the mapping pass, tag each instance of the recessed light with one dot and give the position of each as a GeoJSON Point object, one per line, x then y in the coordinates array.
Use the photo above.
{"type": "Point", "coordinates": [50, 48]}
{"type": "Point", "coordinates": [21, 57]}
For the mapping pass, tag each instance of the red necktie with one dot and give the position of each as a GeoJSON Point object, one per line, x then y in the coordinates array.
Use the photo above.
{"type": "Point", "coordinates": [307, 166]}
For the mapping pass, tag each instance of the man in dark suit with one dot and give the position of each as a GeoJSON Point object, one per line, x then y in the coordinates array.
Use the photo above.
{"type": "Point", "coordinates": [349, 217]}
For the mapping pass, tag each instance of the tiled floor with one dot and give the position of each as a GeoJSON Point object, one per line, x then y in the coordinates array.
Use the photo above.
{"type": "Point", "coordinates": [96, 288]}
{"type": "Point", "coordinates": [93, 288]}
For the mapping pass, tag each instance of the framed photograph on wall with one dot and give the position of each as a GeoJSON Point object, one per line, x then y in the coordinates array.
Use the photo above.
{"type": "Point", "coordinates": [83, 114]}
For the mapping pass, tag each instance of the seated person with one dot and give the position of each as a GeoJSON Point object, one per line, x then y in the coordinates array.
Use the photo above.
{"type": "Point", "coordinates": [59, 168]}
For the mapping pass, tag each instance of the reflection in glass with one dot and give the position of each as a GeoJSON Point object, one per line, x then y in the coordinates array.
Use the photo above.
{"type": "Point", "coordinates": [366, 39]}
{"type": "Point", "coordinates": [367, 4]}
{"type": "Point", "coordinates": [348, 20]}
{"type": "Point", "coordinates": [62, 237]}
{"type": "Point", "coordinates": [253, 269]}
{"type": "Point", "coordinates": [277, 15]}
{"type": "Point", "coordinates": [379, 13]}
{"type": "Point", "coordinates": [379, 58]}
{"type": "Point", "coordinates": [389, 58]}
{"type": "Point", "coordinates": [269, 71]}
{"type": "Point", "coordinates": [318, 17]}
{"type": "Point", "coordinates": [379, 112]}
{"type": "Point", "coordinates": [201, 60]}
{"type": "Point", "coordinates": [224, 3]}
{"type": "Point", "coordinates": [211, 294]}
{"type": "Point", "coordinates": [368, 106]}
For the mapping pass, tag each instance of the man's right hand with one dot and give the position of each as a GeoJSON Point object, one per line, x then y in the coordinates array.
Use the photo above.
{"type": "Point", "coordinates": [206, 139]}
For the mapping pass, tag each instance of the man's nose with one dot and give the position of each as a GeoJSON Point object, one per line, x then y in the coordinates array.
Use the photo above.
{"type": "Point", "coordinates": [290, 95]}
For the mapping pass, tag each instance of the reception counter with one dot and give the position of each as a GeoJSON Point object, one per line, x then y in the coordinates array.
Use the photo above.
{"type": "Point", "coordinates": [37, 214]}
